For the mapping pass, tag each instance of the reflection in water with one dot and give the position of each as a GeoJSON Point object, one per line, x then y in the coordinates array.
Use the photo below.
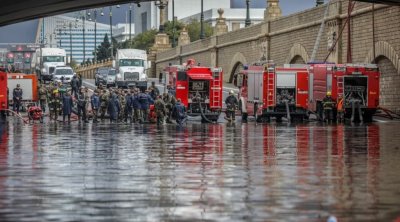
{"type": "Point", "coordinates": [199, 172]}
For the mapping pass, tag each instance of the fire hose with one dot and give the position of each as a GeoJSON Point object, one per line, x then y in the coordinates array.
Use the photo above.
{"type": "Point", "coordinates": [287, 110]}
{"type": "Point", "coordinates": [356, 104]}
{"type": "Point", "coordinates": [202, 113]}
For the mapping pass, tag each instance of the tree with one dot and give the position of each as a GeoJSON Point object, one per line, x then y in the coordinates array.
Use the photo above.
{"type": "Point", "coordinates": [103, 51]}
{"type": "Point", "coordinates": [169, 29]}
{"type": "Point", "coordinates": [194, 30]}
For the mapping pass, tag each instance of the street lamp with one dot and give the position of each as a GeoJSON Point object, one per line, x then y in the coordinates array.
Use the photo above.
{"type": "Point", "coordinates": [83, 17]}
{"type": "Point", "coordinates": [173, 24]}
{"type": "Point", "coordinates": [70, 23]}
{"type": "Point", "coordinates": [247, 21]}
{"type": "Point", "coordinates": [161, 5]}
{"type": "Point", "coordinates": [202, 36]}
{"type": "Point", "coordinates": [111, 33]}
{"type": "Point", "coordinates": [95, 30]}
{"type": "Point", "coordinates": [130, 23]}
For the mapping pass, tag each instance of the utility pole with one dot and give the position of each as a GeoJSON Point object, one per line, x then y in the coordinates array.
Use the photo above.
{"type": "Point", "coordinates": [173, 25]}
{"type": "Point", "coordinates": [202, 36]}
{"type": "Point", "coordinates": [248, 21]}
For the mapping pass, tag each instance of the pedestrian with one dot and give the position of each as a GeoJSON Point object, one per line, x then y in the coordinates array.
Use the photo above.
{"type": "Point", "coordinates": [113, 107]}
{"type": "Point", "coordinates": [154, 92]}
{"type": "Point", "coordinates": [328, 105]}
{"type": "Point", "coordinates": [339, 109]}
{"type": "Point", "coordinates": [231, 103]}
{"type": "Point", "coordinates": [128, 106]}
{"type": "Point", "coordinates": [17, 98]}
{"type": "Point", "coordinates": [95, 102]}
{"type": "Point", "coordinates": [179, 112]}
{"type": "Point", "coordinates": [80, 80]}
{"type": "Point", "coordinates": [74, 86]}
{"type": "Point", "coordinates": [43, 94]}
{"type": "Point", "coordinates": [55, 105]}
{"type": "Point", "coordinates": [81, 104]}
{"type": "Point", "coordinates": [159, 108]}
{"type": "Point", "coordinates": [104, 98]}
{"type": "Point", "coordinates": [67, 105]}
{"type": "Point", "coordinates": [145, 100]}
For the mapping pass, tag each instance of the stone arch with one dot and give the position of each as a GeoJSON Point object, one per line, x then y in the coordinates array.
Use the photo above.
{"type": "Point", "coordinates": [297, 60]}
{"type": "Point", "coordinates": [383, 48]}
{"type": "Point", "coordinates": [237, 62]}
{"type": "Point", "coordinates": [297, 50]}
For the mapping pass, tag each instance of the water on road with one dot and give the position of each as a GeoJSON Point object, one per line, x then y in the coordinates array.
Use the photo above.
{"type": "Point", "coordinates": [209, 172]}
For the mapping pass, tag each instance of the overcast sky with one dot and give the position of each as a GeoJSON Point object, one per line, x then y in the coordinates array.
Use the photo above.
{"type": "Point", "coordinates": [17, 33]}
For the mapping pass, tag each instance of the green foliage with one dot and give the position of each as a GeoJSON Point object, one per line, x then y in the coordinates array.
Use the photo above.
{"type": "Point", "coordinates": [194, 30]}
{"type": "Point", "coordinates": [143, 40]}
{"type": "Point", "coordinates": [104, 49]}
{"type": "Point", "coordinates": [169, 29]}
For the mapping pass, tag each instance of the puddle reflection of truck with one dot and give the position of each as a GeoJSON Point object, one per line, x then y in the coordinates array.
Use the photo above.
{"type": "Point", "coordinates": [131, 66]}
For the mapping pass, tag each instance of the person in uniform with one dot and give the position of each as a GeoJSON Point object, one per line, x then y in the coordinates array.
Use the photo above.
{"type": "Point", "coordinates": [169, 102]}
{"type": "Point", "coordinates": [179, 112]}
{"type": "Point", "coordinates": [145, 100]}
{"type": "Point", "coordinates": [136, 106]}
{"type": "Point", "coordinates": [55, 105]}
{"type": "Point", "coordinates": [95, 102]}
{"type": "Point", "coordinates": [128, 106]}
{"type": "Point", "coordinates": [67, 106]}
{"type": "Point", "coordinates": [113, 107]}
{"type": "Point", "coordinates": [231, 103]}
{"type": "Point", "coordinates": [153, 91]}
{"type": "Point", "coordinates": [339, 109]}
{"type": "Point", "coordinates": [104, 98]}
{"type": "Point", "coordinates": [17, 98]}
{"type": "Point", "coordinates": [43, 94]}
{"type": "Point", "coordinates": [122, 106]}
{"type": "Point", "coordinates": [75, 86]}
{"type": "Point", "coordinates": [82, 102]}
{"type": "Point", "coordinates": [328, 105]}
{"type": "Point", "coordinates": [159, 107]}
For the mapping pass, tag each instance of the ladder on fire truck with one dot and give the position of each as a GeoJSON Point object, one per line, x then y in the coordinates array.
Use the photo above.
{"type": "Point", "coordinates": [270, 86]}
{"type": "Point", "coordinates": [340, 85]}
{"type": "Point", "coordinates": [216, 92]}
{"type": "Point", "coordinates": [321, 31]}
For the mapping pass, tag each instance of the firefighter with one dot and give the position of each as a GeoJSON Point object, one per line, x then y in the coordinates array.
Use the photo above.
{"type": "Point", "coordinates": [95, 102]}
{"type": "Point", "coordinates": [328, 105]}
{"type": "Point", "coordinates": [82, 101]}
{"type": "Point", "coordinates": [113, 107]}
{"type": "Point", "coordinates": [104, 98]}
{"type": "Point", "coordinates": [159, 108]}
{"type": "Point", "coordinates": [231, 104]}
{"type": "Point", "coordinates": [145, 100]}
{"type": "Point", "coordinates": [136, 106]}
{"type": "Point", "coordinates": [169, 102]}
{"type": "Point", "coordinates": [122, 106]}
{"type": "Point", "coordinates": [75, 86]}
{"type": "Point", "coordinates": [43, 94]}
{"type": "Point", "coordinates": [179, 112]}
{"type": "Point", "coordinates": [17, 98]}
{"type": "Point", "coordinates": [67, 106]}
{"type": "Point", "coordinates": [55, 105]}
{"type": "Point", "coordinates": [154, 92]}
{"type": "Point", "coordinates": [339, 109]}
{"type": "Point", "coordinates": [128, 106]}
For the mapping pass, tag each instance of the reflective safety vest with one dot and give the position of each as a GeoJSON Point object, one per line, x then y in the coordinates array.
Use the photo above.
{"type": "Point", "coordinates": [339, 105]}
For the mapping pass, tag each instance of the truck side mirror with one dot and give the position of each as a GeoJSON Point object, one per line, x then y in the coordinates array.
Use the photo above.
{"type": "Point", "coordinates": [113, 63]}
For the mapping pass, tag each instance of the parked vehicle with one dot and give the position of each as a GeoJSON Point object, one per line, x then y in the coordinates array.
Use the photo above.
{"type": "Point", "coordinates": [100, 73]}
{"type": "Point", "coordinates": [63, 74]}
{"type": "Point", "coordinates": [3, 94]}
{"type": "Point", "coordinates": [107, 77]}
{"type": "Point", "coordinates": [45, 61]}
{"type": "Point", "coordinates": [199, 88]}
{"type": "Point", "coordinates": [131, 66]}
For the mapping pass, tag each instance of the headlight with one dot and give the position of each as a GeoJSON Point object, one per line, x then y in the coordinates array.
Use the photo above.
{"type": "Point", "coordinates": [119, 77]}
{"type": "Point", "coordinates": [44, 71]}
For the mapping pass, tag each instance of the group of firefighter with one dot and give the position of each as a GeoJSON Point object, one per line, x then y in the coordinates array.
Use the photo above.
{"type": "Point", "coordinates": [132, 105]}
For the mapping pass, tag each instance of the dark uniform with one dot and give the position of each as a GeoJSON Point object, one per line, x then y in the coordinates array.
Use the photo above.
{"type": "Point", "coordinates": [122, 107]}
{"type": "Point", "coordinates": [67, 107]}
{"type": "Point", "coordinates": [154, 92]}
{"type": "Point", "coordinates": [43, 97]}
{"type": "Point", "coordinates": [113, 107]}
{"type": "Point", "coordinates": [82, 102]}
{"type": "Point", "coordinates": [17, 98]}
{"type": "Point", "coordinates": [328, 105]}
{"type": "Point", "coordinates": [95, 102]}
{"type": "Point", "coordinates": [136, 107]}
{"type": "Point", "coordinates": [169, 102]}
{"type": "Point", "coordinates": [231, 104]}
{"type": "Point", "coordinates": [179, 112]}
{"type": "Point", "coordinates": [74, 86]}
{"type": "Point", "coordinates": [145, 100]}
{"type": "Point", "coordinates": [104, 99]}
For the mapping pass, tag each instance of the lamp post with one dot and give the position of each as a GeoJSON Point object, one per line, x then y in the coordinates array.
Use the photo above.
{"type": "Point", "coordinates": [202, 36]}
{"type": "Point", "coordinates": [59, 37]}
{"type": "Point", "coordinates": [69, 24]}
{"type": "Point", "coordinates": [161, 5]}
{"type": "Point", "coordinates": [173, 24]}
{"type": "Point", "coordinates": [95, 30]}
{"type": "Point", "coordinates": [130, 23]}
{"type": "Point", "coordinates": [111, 33]}
{"type": "Point", "coordinates": [248, 21]}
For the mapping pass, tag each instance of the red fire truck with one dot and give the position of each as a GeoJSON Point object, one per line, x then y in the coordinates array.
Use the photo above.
{"type": "Point", "coordinates": [267, 91]}
{"type": "Point", "coordinates": [199, 88]}
{"type": "Point", "coordinates": [358, 84]}
{"type": "Point", "coordinates": [3, 94]}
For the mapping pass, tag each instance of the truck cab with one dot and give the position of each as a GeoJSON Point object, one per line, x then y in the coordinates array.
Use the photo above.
{"type": "Point", "coordinates": [131, 66]}
{"type": "Point", "coordinates": [46, 60]}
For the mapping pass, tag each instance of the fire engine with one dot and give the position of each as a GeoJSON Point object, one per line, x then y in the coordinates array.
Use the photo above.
{"type": "Point", "coordinates": [267, 91]}
{"type": "Point", "coordinates": [199, 88]}
{"type": "Point", "coordinates": [3, 94]}
{"type": "Point", "coordinates": [358, 84]}
{"type": "Point", "coordinates": [8, 81]}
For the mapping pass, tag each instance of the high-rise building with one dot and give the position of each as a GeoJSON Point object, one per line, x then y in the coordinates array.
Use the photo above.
{"type": "Point", "coordinates": [65, 31]}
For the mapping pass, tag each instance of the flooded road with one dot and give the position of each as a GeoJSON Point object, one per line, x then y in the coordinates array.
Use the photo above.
{"type": "Point", "coordinates": [213, 172]}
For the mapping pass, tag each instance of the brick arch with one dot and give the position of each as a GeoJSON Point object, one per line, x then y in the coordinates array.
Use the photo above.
{"type": "Point", "coordinates": [383, 48]}
{"type": "Point", "coordinates": [237, 60]}
{"type": "Point", "coordinates": [297, 50]}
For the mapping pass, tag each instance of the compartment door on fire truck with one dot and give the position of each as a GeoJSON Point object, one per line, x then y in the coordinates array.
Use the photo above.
{"type": "Point", "coordinates": [255, 82]}
{"type": "Point", "coordinates": [302, 89]}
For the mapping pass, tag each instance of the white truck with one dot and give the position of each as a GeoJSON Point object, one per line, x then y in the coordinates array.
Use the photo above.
{"type": "Point", "coordinates": [131, 66]}
{"type": "Point", "coordinates": [46, 60]}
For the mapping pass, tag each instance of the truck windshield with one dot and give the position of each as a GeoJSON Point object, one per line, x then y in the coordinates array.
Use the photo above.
{"type": "Point", "coordinates": [131, 62]}
{"type": "Point", "coordinates": [112, 72]}
{"type": "Point", "coordinates": [64, 72]}
{"type": "Point", "coordinates": [53, 58]}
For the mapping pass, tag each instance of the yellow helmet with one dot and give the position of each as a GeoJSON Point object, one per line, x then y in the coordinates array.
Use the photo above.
{"type": "Point", "coordinates": [55, 91]}
{"type": "Point", "coordinates": [329, 93]}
